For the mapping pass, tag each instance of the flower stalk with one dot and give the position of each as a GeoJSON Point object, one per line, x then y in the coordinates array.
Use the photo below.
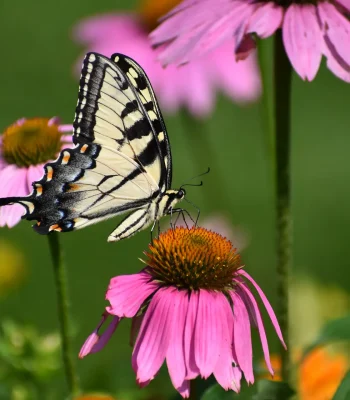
{"type": "Point", "coordinates": [282, 107]}
{"type": "Point", "coordinates": [63, 312]}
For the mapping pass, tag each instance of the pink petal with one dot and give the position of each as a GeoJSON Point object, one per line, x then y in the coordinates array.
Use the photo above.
{"type": "Point", "coordinates": [344, 3]}
{"type": "Point", "coordinates": [208, 332]}
{"type": "Point", "coordinates": [242, 342]}
{"type": "Point", "coordinates": [336, 28]}
{"type": "Point", "coordinates": [223, 370]}
{"type": "Point", "coordinates": [184, 389]}
{"type": "Point", "coordinates": [267, 305]}
{"type": "Point", "coordinates": [66, 128]}
{"type": "Point", "coordinates": [266, 19]}
{"type": "Point", "coordinates": [241, 81]}
{"type": "Point", "coordinates": [13, 183]}
{"type": "Point", "coordinates": [189, 336]}
{"type": "Point", "coordinates": [237, 376]}
{"type": "Point", "coordinates": [338, 70]}
{"type": "Point", "coordinates": [94, 342]}
{"type": "Point", "coordinates": [153, 340]}
{"type": "Point", "coordinates": [126, 293]}
{"type": "Point", "coordinates": [260, 325]}
{"type": "Point", "coordinates": [303, 40]}
{"type": "Point", "coordinates": [175, 356]}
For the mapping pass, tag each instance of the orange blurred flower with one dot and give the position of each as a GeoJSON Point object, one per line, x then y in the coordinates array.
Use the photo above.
{"type": "Point", "coordinates": [94, 396]}
{"type": "Point", "coordinates": [319, 374]}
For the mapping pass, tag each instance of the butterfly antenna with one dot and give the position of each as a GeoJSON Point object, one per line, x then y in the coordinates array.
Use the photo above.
{"type": "Point", "coordinates": [196, 207]}
{"type": "Point", "coordinates": [195, 177]}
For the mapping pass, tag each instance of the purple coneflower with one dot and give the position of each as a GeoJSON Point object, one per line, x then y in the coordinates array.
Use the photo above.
{"type": "Point", "coordinates": [310, 29]}
{"type": "Point", "coordinates": [192, 86]}
{"type": "Point", "coordinates": [193, 307]}
{"type": "Point", "coordinates": [25, 147]}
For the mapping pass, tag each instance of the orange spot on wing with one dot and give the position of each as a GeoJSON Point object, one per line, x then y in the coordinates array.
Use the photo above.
{"type": "Point", "coordinates": [49, 173]}
{"type": "Point", "coordinates": [39, 190]}
{"type": "Point", "coordinates": [73, 187]}
{"type": "Point", "coordinates": [84, 148]}
{"type": "Point", "coordinates": [66, 158]}
{"type": "Point", "coordinates": [55, 227]}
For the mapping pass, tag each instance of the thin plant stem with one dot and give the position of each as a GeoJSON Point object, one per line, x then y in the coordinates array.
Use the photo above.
{"type": "Point", "coordinates": [63, 312]}
{"type": "Point", "coordinates": [282, 90]}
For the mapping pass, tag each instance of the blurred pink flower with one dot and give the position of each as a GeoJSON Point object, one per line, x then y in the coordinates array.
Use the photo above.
{"type": "Point", "coordinates": [309, 30]}
{"type": "Point", "coordinates": [195, 311]}
{"type": "Point", "coordinates": [25, 147]}
{"type": "Point", "coordinates": [192, 86]}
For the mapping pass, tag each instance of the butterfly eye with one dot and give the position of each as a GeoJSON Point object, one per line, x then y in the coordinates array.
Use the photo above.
{"type": "Point", "coordinates": [181, 193]}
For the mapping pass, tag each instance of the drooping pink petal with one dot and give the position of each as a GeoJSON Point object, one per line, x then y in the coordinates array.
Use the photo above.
{"type": "Point", "coordinates": [260, 324]}
{"type": "Point", "coordinates": [135, 327]}
{"type": "Point", "coordinates": [237, 376]}
{"type": "Point", "coordinates": [337, 69]}
{"type": "Point", "coordinates": [208, 333]}
{"type": "Point", "coordinates": [242, 342]}
{"type": "Point", "coordinates": [175, 355]}
{"type": "Point", "coordinates": [13, 184]}
{"type": "Point", "coordinates": [66, 128]}
{"type": "Point", "coordinates": [184, 389]}
{"type": "Point", "coordinates": [336, 30]}
{"type": "Point", "coordinates": [267, 305]}
{"type": "Point", "coordinates": [126, 293]}
{"type": "Point", "coordinates": [241, 80]}
{"type": "Point", "coordinates": [223, 370]}
{"type": "Point", "coordinates": [94, 342]}
{"type": "Point", "coordinates": [192, 370]}
{"type": "Point", "coordinates": [102, 27]}
{"type": "Point", "coordinates": [344, 3]}
{"type": "Point", "coordinates": [153, 340]}
{"type": "Point", "coordinates": [223, 29]}
{"type": "Point", "coordinates": [265, 20]}
{"type": "Point", "coordinates": [179, 23]}
{"type": "Point", "coordinates": [302, 39]}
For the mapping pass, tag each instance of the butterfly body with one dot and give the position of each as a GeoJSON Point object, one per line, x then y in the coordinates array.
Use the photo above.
{"type": "Point", "coordinates": [121, 160]}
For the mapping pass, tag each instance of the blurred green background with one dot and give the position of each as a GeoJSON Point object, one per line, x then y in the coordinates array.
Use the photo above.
{"type": "Point", "coordinates": [37, 80]}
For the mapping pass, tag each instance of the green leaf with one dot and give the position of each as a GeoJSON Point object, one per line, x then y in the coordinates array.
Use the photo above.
{"type": "Point", "coordinates": [216, 392]}
{"type": "Point", "coordinates": [337, 329]}
{"type": "Point", "coordinates": [272, 390]}
{"type": "Point", "coordinates": [343, 391]}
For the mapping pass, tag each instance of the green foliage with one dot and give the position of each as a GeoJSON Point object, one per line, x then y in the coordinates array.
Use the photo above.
{"type": "Point", "coordinates": [27, 359]}
{"type": "Point", "coordinates": [343, 391]}
{"type": "Point", "coordinates": [270, 390]}
{"type": "Point", "coordinates": [335, 330]}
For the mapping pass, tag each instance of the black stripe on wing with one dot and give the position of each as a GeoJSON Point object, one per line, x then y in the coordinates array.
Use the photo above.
{"type": "Point", "coordinates": [143, 87]}
{"type": "Point", "coordinates": [112, 112]}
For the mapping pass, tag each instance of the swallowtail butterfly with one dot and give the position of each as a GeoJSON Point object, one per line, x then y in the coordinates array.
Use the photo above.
{"type": "Point", "coordinates": [121, 160]}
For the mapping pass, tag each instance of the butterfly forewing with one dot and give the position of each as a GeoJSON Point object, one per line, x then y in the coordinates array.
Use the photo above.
{"type": "Point", "coordinates": [122, 159]}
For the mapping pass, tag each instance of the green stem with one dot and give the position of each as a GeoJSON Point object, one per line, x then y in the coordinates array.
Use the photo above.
{"type": "Point", "coordinates": [63, 312]}
{"type": "Point", "coordinates": [282, 89]}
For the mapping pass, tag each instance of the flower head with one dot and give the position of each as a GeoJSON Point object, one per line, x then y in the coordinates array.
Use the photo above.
{"type": "Point", "coordinates": [191, 306]}
{"type": "Point", "coordinates": [310, 30]}
{"type": "Point", "coordinates": [25, 147]}
{"type": "Point", "coordinates": [192, 86]}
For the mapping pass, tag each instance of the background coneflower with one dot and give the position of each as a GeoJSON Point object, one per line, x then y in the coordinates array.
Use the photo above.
{"type": "Point", "coordinates": [309, 30]}
{"type": "Point", "coordinates": [25, 147]}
